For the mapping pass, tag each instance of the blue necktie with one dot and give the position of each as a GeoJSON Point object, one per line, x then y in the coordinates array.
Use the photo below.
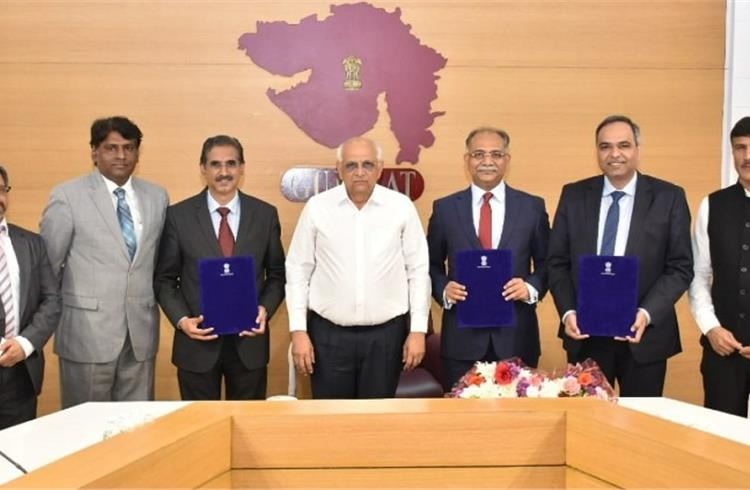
{"type": "Point", "coordinates": [610, 225]}
{"type": "Point", "coordinates": [126, 222]}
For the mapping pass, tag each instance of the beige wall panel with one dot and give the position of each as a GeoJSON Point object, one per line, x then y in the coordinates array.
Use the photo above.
{"type": "Point", "coordinates": [679, 33]}
{"type": "Point", "coordinates": [546, 70]}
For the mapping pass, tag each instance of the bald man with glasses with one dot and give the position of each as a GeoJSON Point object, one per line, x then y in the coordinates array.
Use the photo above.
{"type": "Point", "coordinates": [358, 289]}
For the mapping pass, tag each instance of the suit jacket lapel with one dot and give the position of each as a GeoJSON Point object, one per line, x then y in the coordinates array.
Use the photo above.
{"type": "Point", "coordinates": [145, 207]}
{"type": "Point", "coordinates": [23, 256]}
{"type": "Point", "coordinates": [103, 204]}
{"type": "Point", "coordinates": [247, 223]}
{"type": "Point", "coordinates": [644, 195]}
{"type": "Point", "coordinates": [591, 207]}
{"type": "Point", "coordinates": [205, 224]}
{"type": "Point", "coordinates": [512, 209]}
{"type": "Point", "coordinates": [465, 218]}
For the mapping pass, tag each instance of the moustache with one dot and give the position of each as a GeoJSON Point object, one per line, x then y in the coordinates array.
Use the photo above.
{"type": "Point", "coordinates": [228, 178]}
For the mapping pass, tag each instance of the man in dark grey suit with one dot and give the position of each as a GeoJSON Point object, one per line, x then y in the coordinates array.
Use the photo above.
{"type": "Point", "coordinates": [492, 212]}
{"type": "Point", "coordinates": [102, 233]}
{"type": "Point", "coordinates": [653, 224]}
{"type": "Point", "coordinates": [27, 285]}
{"type": "Point", "coordinates": [196, 228]}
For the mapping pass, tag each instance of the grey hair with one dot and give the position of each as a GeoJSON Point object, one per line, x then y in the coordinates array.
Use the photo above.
{"type": "Point", "coordinates": [340, 149]}
{"type": "Point", "coordinates": [504, 136]}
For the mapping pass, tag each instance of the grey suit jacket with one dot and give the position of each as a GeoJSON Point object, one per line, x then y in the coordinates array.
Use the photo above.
{"type": "Point", "coordinates": [39, 299]}
{"type": "Point", "coordinates": [104, 295]}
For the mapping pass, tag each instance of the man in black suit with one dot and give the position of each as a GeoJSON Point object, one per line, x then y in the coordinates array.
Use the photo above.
{"type": "Point", "coordinates": [197, 228]}
{"type": "Point", "coordinates": [519, 222]}
{"type": "Point", "coordinates": [653, 224]}
{"type": "Point", "coordinates": [28, 286]}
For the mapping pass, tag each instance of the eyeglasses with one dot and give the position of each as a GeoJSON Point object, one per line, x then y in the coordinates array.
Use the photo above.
{"type": "Point", "coordinates": [128, 148]}
{"type": "Point", "coordinates": [229, 164]}
{"type": "Point", "coordinates": [4, 190]}
{"type": "Point", "coordinates": [367, 166]}
{"type": "Point", "coordinates": [495, 155]}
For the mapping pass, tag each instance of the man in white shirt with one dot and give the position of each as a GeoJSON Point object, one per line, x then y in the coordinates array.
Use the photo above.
{"type": "Point", "coordinates": [102, 231]}
{"type": "Point", "coordinates": [488, 215]}
{"type": "Point", "coordinates": [720, 291]}
{"type": "Point", "coordinates": [358, 289]}
{"type": "Point", "coordinates": [29, 312]}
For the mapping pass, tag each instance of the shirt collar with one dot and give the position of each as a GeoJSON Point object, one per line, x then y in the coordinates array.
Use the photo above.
{"type": "Point", "coordinates": [375, 198]}
{"type": "Point", "coordinates": [629, 188]}
{"type": "Point", "coordinates": [233, 204]}
{"type": "Point", "coordinates": [498, 192]}
{"type": "Point", "coordinates": [4, 226]}
{"type": "Point", "coordinates": [111, 186]}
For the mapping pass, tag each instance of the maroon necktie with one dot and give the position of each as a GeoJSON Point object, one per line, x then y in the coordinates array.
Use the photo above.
{"type": "Point", "coordinates": [485, 222]}
{"type": "Point", "coordinates": [226, 238]}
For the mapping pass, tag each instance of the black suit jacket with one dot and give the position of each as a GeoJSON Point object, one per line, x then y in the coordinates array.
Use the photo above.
{"type": "Point", "coordinates": [525, 233]}
{"type": "Point", "coordinates": [40, 302]}
{"type": "Point", "coordinates": [188, 236]}
{"type": "Point", "coordinates": [659, 236]}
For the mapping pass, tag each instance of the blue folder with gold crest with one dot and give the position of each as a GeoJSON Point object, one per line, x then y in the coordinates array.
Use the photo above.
{"type": "Point", "coordinates": [607, 295]}
{"type": "Point", "coordinates": [484, 273]}
{"type": "Point", "coordinates": [228, 300]}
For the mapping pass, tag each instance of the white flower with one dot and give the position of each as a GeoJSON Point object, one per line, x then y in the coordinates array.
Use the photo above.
{"type": "Point", "coordinates": [550, 388]}
{"type": "Point", "coordinates": [532, 392]}
{"type": "Point", "coordinates": [485, 390]}
{"type": "Point", "coordinates": [487, 370]}
{"type": "Point", "coordinates": [509, 390]}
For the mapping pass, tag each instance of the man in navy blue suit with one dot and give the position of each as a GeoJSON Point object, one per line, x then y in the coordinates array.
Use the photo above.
{"type": "Point", "coordinates": [489, 214]}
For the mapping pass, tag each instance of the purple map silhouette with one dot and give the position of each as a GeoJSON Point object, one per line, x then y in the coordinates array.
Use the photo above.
{"type": "Point", "coordinates": [392, 61]}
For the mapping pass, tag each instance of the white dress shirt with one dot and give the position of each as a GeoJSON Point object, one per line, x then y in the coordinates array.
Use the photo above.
{"type": "Point", "coordinates": [15, 284]}
{"type": "Point", "coordinates": [358, 266]}
{"type": "Point", "coordinates": [132, 199]}
{"type": "Point", "coordinates": [699, 294]}
{"type": "Point", "coordinates": [626, 203]}
{"type": "Point", "coordinates": [233, 217]}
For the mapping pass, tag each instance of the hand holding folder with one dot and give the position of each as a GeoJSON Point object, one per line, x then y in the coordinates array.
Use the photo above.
{"type": "Point", "coordinates": [229, 302]}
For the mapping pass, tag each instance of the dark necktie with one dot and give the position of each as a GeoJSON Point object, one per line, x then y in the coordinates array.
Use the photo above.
{"type": "Point", "coordinates": [126, 222]}
{"type": "Point", "coordinates": [226, 237]}
{"type": "Point", "coordinates": [609, 237]}
{"type": "Point", "coordinates": [485, 222]}
{"type": "Point", "coordinates": [6, 292]}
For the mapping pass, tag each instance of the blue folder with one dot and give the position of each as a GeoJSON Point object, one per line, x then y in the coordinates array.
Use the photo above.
{"type": "Point", "coordinates": [484, 273]}
{"type": "Point", "coordinates": [607, 295]}
{"type": "Point", "coordinates": [228, 299]}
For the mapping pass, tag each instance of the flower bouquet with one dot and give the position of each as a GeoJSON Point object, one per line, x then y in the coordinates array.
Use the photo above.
{"type": "Point", "coordinates": [511, 378]}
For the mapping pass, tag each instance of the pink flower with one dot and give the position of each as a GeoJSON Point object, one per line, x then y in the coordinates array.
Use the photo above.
{"type": "Point", "coordinates": [536, 380]}
{"type": "Point", "coordinates": [571, 386]}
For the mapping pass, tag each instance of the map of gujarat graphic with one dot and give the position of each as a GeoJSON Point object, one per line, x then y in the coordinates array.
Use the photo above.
{"type": "Point", "coordinates": [354, 55]}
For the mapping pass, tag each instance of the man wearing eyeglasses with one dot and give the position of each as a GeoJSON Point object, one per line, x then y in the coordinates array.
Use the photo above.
{"type": "Point", "coordinates": [488, 215]}
{"type": "Point", "coordinates": [101, 232]}
{"type": "Point", "coordinates": [220, 221]}
{"type": "Point", "coordinates": [358, 288]}
{"type": "Point", "coordinates": [29, 312]}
